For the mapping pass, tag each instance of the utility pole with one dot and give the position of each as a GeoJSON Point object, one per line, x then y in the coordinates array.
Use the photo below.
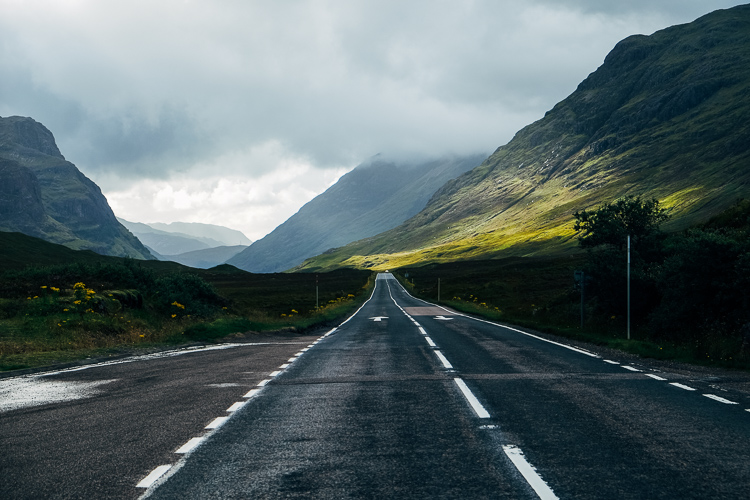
{"type": "Point", "coordinates": [628, 287]}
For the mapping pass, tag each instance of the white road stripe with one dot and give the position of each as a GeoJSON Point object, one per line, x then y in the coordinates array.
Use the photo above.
{"type": "Point", "coordinates": [216, 423]}
{"type": "Point", "coordinates": [274, 374]}
{"type": "Point", "coordinates": [429, 341]}
{"type": "Point", "coordinates": [529, 473]}
{"type": "Point", "coordinates": [720, 399]}
{"type": "Point", "coordinates": [687, 388]}
{"type": "Point", "coordinates": [631, 368]}
{"type": "Point", "coordinates": [285, 365]}
{"type": "Point", "coordinates": [262, 383]}
{"type": "Point", "coordinates": [421, 330]}
{"type": "Point", "coordinates": [291, 360]}
{"type": "Point", "coordinates": [473, 401]}
{"type": "Point", "coordinates": [655, 377]}
{"type": "Point", "coordinates": [453, 313]}
{"type": "Point", "coordinates": [611, 362]}
{"type": "Point", "coordinates": [153, 477]}
{"type": "Point", "coordinates": [190, 445]}
{"type": "Point", "coordinates": [236, 406]}
{"type": "Point", "coordinates": [252, 393]}
{"type": "Point", "coordinates": [442, 359]}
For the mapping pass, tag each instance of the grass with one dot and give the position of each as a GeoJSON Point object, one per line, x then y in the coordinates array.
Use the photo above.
{"type": "Point", "coordinates": [74, 305]}
{"type": "Point", "coordinates": [540, 293]}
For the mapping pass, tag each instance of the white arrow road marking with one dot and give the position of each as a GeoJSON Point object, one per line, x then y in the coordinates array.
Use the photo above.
{"type": "Point", "coordinates": [379, 318]}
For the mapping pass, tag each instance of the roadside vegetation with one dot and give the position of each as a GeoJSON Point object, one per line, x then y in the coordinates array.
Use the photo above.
{"type": "Point", "coordinates": [63, 312]}
{"type": "Point", "coordinates": [690, 290]}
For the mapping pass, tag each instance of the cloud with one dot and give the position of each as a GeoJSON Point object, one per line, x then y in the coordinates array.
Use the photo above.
{"type": "Point", "coordinates": [140, 91]}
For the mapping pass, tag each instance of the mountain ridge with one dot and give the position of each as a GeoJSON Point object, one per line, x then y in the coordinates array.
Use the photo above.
{"type": "Point", "coordinates": [377, 195]}
{"type": "Point", "coordinates": [46, 196]}
{"type": "Point", "coordinates": [665, 116]}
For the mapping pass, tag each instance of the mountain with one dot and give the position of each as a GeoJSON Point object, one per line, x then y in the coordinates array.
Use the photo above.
{"type": "Point", "coordinates": [206, 258]}
{"type": "Point", "coordinates": [45, 196]}
{"type": "Point", "coordinates": [170, 240]}
{"type": "Point", "coordinates": [665, 116]}
{"type": "Point", "coordinates": [205, 232]}
{"type": "Point", "coordinates": [377, 195]}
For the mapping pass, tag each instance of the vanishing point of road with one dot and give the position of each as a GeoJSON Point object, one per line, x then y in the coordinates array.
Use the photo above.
{"type": "Point", "coordinates": [404, 399]}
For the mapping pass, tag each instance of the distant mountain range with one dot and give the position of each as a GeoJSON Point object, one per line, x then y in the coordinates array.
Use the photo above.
{"type": "Point", "coordinates": [189, 243]}
{"type": "Point", "coordinates": [377, 195]}
{"type": "Point", "coordinates": [665, 116]}
{"type": "Point", "coordinates": [45, 196]}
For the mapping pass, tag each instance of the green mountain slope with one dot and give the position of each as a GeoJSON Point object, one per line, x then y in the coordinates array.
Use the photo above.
{"type": "Point", "coordinates": [665, 116]}
{"type": "Point", "coordinates": [375, 196]}
{"type": "Point", "coordinates": [43, 195]}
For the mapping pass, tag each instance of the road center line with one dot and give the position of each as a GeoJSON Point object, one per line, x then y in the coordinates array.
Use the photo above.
{"type": "Point", "coordinates": [655, 377]}
{"type": "Point", "coordinates": [529, 473]}
{"type": "Point", "coordinates": [720, 399]}
{"type": "Point", "coordinates": [687, 388]}
{"type": "Point", "coordinates": [631, 368]}
{"type": "Point", "coordinates": [252, 393]}
{"type": "Point", "coordinates": [190, 445]}
{"type": "Point", "coordinates": [236, 406]}
{"type": "Point", "coordinates": [442, 359]}
{"type": "Point", "coordinates": [430, 341]}
{"type": "Point", "coordinates": [153, 477]}
{"type": "Point", "coordinates": [216, 423]}
{"type": "Point", "coordinates": [472, 399]}
{"type": "Point", "coordinates": [611, 362]}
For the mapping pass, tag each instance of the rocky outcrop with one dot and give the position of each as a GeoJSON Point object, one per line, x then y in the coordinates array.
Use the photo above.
{"type": "Point", "coordinates": [44, 195]}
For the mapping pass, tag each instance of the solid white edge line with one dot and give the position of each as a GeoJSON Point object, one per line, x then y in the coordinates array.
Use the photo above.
{"type": "Point", "coordinates": [236, 406]}
{"type": "Point", "coordinates": [720, 399]}
{"type": "Point", "coordinates": [453, 313]}
{"type": "Point", "coordinates": [529, 473]}
{"type": "Point", "coordinates": [153, 477]}
{"type": "Point", "coordinates": [445, 362]}
{"type": "Point", "coordinates": [687, 388]}
{"type": "Point", "coordinates": [190, 445]}
{"type": "Point", "coordinates": [216, 423]}
{"type": "Point", "coordinates": [473, 401]}
{"type": "Point", "coordinates": [655, 377]}
{"type": "Point", "coordinates": [430, 341]}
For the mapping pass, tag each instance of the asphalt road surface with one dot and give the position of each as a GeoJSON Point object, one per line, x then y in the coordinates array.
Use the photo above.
{"type": "Point", "coordinates": [403, 400]}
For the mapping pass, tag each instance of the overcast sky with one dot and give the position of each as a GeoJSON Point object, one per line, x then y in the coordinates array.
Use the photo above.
{"type": "Point", "coordinates": [239, 112]}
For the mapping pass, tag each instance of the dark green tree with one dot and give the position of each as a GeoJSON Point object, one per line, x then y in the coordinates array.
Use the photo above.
{"type": "Point", "coordinates": [604, 232]}
{"type": "Point", "coordinates": [611, 223]}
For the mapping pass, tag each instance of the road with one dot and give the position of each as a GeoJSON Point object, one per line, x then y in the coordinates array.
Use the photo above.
{"type": "Point", "coordinates": [403, 400]}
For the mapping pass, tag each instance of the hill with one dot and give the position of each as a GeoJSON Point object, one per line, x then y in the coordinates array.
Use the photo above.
{"type": "Point", "coordinates": [665, 116]}
{"type": "Point", "coordinates": [206, 258]}
{"type": "Point", "coordinates": [377, 195]}
{"type": "Point", "coordinates": [43, 195]}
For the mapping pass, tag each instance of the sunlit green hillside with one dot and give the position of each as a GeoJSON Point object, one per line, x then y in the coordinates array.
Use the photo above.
{"type": "Point", "coordinates": [665, 116]}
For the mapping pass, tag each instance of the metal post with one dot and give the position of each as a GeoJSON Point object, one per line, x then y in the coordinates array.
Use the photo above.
{"type": "Point", "coordinates": [583, 295]}
{"type": "Point", "coordinates": [628, 287]}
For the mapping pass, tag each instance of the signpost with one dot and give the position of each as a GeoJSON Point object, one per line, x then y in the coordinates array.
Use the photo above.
{"type": "Point", "coordinates": [580, 278]}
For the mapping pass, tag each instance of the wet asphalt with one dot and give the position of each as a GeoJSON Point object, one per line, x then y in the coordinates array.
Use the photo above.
{"type": "Point", "coordinates": [375, 409]}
